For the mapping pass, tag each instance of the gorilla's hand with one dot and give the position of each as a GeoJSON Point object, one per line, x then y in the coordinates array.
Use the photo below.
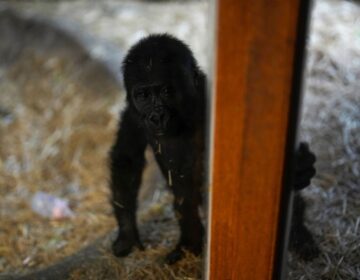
{"type": "Point", "coordinates": [304, 166]}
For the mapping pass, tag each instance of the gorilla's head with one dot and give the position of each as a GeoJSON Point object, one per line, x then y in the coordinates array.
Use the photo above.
{"type": "Point", "coordinates": [162, 80]}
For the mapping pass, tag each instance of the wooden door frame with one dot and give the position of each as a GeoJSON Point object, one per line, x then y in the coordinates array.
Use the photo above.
{"type": "Point", "coordinates": [259, 53]}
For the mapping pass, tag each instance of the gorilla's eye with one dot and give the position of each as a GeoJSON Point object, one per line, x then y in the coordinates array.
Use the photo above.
{"type": "Point", "coordinates": [141, 94]}
{"type": "Point", "coordinates": [164, 93]}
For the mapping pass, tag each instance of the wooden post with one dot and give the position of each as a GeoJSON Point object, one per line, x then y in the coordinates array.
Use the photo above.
{"type": "Point", "coordinates": [257, 81]}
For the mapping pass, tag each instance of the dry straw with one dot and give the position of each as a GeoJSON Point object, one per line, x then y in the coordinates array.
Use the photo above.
{"type": "Point", "coordinates": [56, 130]}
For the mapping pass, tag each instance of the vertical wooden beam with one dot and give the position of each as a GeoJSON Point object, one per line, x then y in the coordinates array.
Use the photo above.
{"type": "Point", "coordinates": [254, 75]}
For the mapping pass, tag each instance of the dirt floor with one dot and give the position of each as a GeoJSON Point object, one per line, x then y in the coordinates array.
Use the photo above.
{"type": "Point", "coordinates": [59, 104]}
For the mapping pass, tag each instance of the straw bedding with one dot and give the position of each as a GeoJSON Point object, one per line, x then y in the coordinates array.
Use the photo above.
{"type": "Point", "coordinates": [57, 123]}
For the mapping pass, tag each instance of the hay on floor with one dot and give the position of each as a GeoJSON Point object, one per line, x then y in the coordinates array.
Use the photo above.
{"type": "Point", "coordinates": [57, 125]}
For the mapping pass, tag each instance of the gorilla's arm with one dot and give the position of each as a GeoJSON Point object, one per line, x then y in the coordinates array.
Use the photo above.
{"type": "Point", "coordinates": [126, 166]}
{"type": "Point", "coordinates": [301, 239]}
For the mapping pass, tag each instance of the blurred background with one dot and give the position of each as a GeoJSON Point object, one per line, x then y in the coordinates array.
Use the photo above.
{"type": "Point", "coordinates": [60, 98]}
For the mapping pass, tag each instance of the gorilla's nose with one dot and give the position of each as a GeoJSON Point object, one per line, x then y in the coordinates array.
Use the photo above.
{"type": "Point", "coordinates": [157, 118]}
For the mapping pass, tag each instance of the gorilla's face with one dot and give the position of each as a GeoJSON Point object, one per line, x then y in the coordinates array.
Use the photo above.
{"type": "Point", "coordinates": [154, 103]}
{"type": "Point", "coordinates": [159, 77]}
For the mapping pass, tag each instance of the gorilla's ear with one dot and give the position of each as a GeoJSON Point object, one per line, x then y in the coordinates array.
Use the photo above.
{"type": "Point", "coordinates": [198, 78]}
{"type": "Point", "coordinates": [196, 74]}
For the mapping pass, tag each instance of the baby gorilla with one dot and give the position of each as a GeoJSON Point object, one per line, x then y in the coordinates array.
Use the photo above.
{"type": "Point", "coordinates": [166, 109]}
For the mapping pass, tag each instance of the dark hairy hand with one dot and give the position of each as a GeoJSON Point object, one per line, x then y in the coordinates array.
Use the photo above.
{"type": "Point", "coordinates": [304, 166]}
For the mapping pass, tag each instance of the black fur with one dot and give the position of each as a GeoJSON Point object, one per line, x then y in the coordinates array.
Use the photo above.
{"type": "Point", "coordinates": [166, 109]}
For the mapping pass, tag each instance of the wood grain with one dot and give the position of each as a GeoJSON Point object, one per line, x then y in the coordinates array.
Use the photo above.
{"type": "Point", "coordinates": [256, 46]}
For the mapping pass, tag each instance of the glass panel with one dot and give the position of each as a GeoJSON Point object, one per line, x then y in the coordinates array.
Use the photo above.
{"type": "Point", "coordinates": [72, 145]}
{"type": "Point", "coordinates": [327, 246]}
